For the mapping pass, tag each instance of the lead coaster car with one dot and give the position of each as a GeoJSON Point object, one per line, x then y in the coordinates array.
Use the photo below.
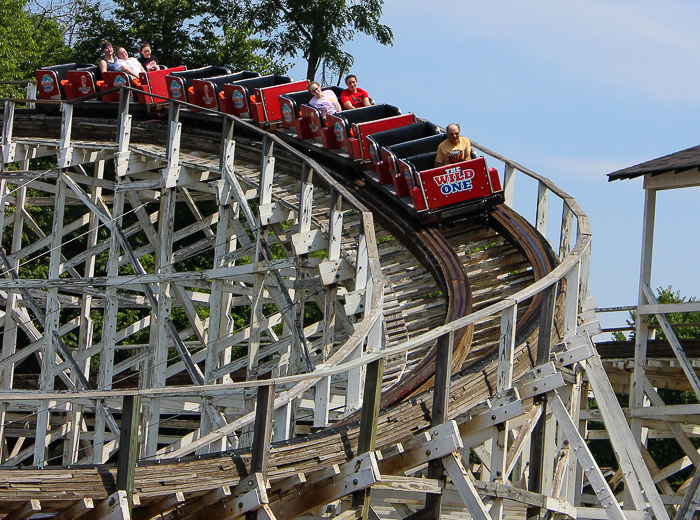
{"type": "Point", "coordinates": [453, 190]}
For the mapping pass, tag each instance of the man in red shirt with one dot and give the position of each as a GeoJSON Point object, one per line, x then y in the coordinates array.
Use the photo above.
{"type": "Point", "coordinates": [353, 97]}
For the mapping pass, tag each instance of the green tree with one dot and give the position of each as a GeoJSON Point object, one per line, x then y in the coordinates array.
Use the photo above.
{"type": "Point", "coordinates": [27, 42]}
{"type": "Point", "coordinates": [668, 296]}
{"type": "Point", "coordinates": [316, 29]}
{"type": "Point", "coordinates": [180, 32]}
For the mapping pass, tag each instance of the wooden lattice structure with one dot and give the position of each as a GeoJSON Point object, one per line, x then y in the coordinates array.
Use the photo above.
{"type": "Point", "coordinates": [188, 413]}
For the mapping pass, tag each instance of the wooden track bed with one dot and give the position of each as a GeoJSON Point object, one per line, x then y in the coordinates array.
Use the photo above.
{"type": "Point", "coordinates": [471, 266]}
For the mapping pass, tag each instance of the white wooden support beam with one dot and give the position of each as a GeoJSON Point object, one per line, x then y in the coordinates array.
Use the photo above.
{"type": "Point", "coordinates": [353, 395]}
{"type": "Point", "coordinates": [238, 192]}
{"type": "Point", "coordinates": [567, 230]}
{"type": "Point", "coordinates": [335, 232]}
{"type": "Point", "coordinates": [539, 380]}
{"type": "Point", "coordinates": [584, 274]}
{"type": "Point", "coordinates": [626, 449]}
{"type": "Point", "coordinates": [48, 361]}
{"type": "Point", "coordinates": [521, 440]}
{"type": "Point", "coordinates": [578, 445]}
{"type": "Point", "coordinates": [121, 158]}
{"type": "Point", "coordinates": [465, 487]}
{"type": "Point", "coordinates": [8, 147]}
{"type": "Point", "coordinates": [499, 446]}
{"type": "Point", "coordinates": [115, 507]}
{"type": "Point", "coordinates": [687, 367]}
{"type": "Point", "coordinates": [171, 173]}
{"type": "Point", "coordinates": [109, 327]}
{"type": "Point", "coordinates": [9, 337]}
{"type": "Point", "coordinates": [219, 303]}
{"type": "Point", "coordinates": [156, 374]}
{"type": "Point", "coordinates": [503, 407]}
{"type": "Point", "coordinates": [542, 207]}
{"type": "Point", "coordinates": [65, 150]}
{"type": "Point", "coordinates": [571, 301]}
{"type": "Point", "coordinates": [509, 185]}
{"type": "Point", "coordinates": [31, 94]}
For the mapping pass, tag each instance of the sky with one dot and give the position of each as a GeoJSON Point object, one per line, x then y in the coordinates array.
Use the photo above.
{"type": "Point", "coordinates": [572, 90]}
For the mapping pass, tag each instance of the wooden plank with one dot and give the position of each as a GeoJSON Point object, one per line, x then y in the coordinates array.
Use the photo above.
{"type": "Point", "coordinates": [75, 510]}
{"type": "Point", "coordinates": [162, 506]}
{"type": "Point", "coordinates": [369, 416]}
{"type": "Point", "coordinates": [585, 457]}
{"type": "Point", "coordinates": [128, 449]}
{"type": "Point", "coordinates": [542, 207]}
{"type": "Point", "coordinates": [687, 367]}
{"type": "Point", "coordinates": [25, 510]}
{"type": "Point", "coordinates": [465, 487]}
{"type": "Point", "coordinates": [116, 507]}
{"type": "Point", "coordinates": [262, 435]}
{"type": "Point", "coordinates": [626, 450]}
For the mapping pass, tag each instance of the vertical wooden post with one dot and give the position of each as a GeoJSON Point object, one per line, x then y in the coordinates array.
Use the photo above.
{"type": "Point", "coordinates": [72, 444]}
{"type": "Point", "coordinates": [572, 302]}
{"type": "Point", "coordinates": [264, 411]}
{"type": "Point", "coordinates": [323, 387]}
{"type": "Point", "coordinates": [567, 225]}
{"type": "Point", "coordinates": [8, 118]}
{"type": "Point", "coordinates": [368, 424]}
{"type": "Point", "coordinates": [642, 325]}
{"type": "Point", "coordinates": [31, 94]}
{"type": "Point", "coordinates": [48, 361]}
{"type": "Point", "coordinates": [284, 415]}
{"type": "Point", "coordinates": [353, 396]}
{"type": "Point", "coordinates": [542, 207]}
{"type": "Point", "coordinates": [128, 446]}
{"type": "Point", "coordinates": [441, 403]}
{"type": "Point", "coordinates": [538, 456]}
{"type": "Point", "coordinates": [219, 300]}
{"type": "Point", "coordinates": [109, 329]}
{"type": "Point", "coordinates": [509, 185]}
{"type": "Point", "coordinates": [499, 445]}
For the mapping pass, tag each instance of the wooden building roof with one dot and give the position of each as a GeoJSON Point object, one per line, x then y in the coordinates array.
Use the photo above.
{"type": "Point", "coordinates": [676, 163]}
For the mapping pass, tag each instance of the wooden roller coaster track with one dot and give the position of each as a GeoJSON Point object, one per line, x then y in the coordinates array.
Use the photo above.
{"type": "Point", "coordinates": [129, 391]}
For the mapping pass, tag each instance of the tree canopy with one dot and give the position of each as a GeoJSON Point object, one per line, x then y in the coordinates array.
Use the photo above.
{"type": "Point", "coordinates": [316, 30]}
{"type": "Point", "coordinates": [180, 32]}
{"type": "Point", "coordinates": [668, 296]}
{"type": "Point", "coordinates": [27, 41]}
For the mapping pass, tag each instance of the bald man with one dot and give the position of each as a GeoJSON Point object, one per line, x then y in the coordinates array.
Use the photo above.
{"type": "Point", "coordinates": [454, 149]}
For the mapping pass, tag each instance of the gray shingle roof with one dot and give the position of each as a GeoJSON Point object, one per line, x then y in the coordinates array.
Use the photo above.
{"type": "Point", "coordinates": [676, 162]}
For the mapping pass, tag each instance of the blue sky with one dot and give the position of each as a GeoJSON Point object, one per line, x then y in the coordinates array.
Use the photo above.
{"type": "Point", "coordinates": [572, 90]}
